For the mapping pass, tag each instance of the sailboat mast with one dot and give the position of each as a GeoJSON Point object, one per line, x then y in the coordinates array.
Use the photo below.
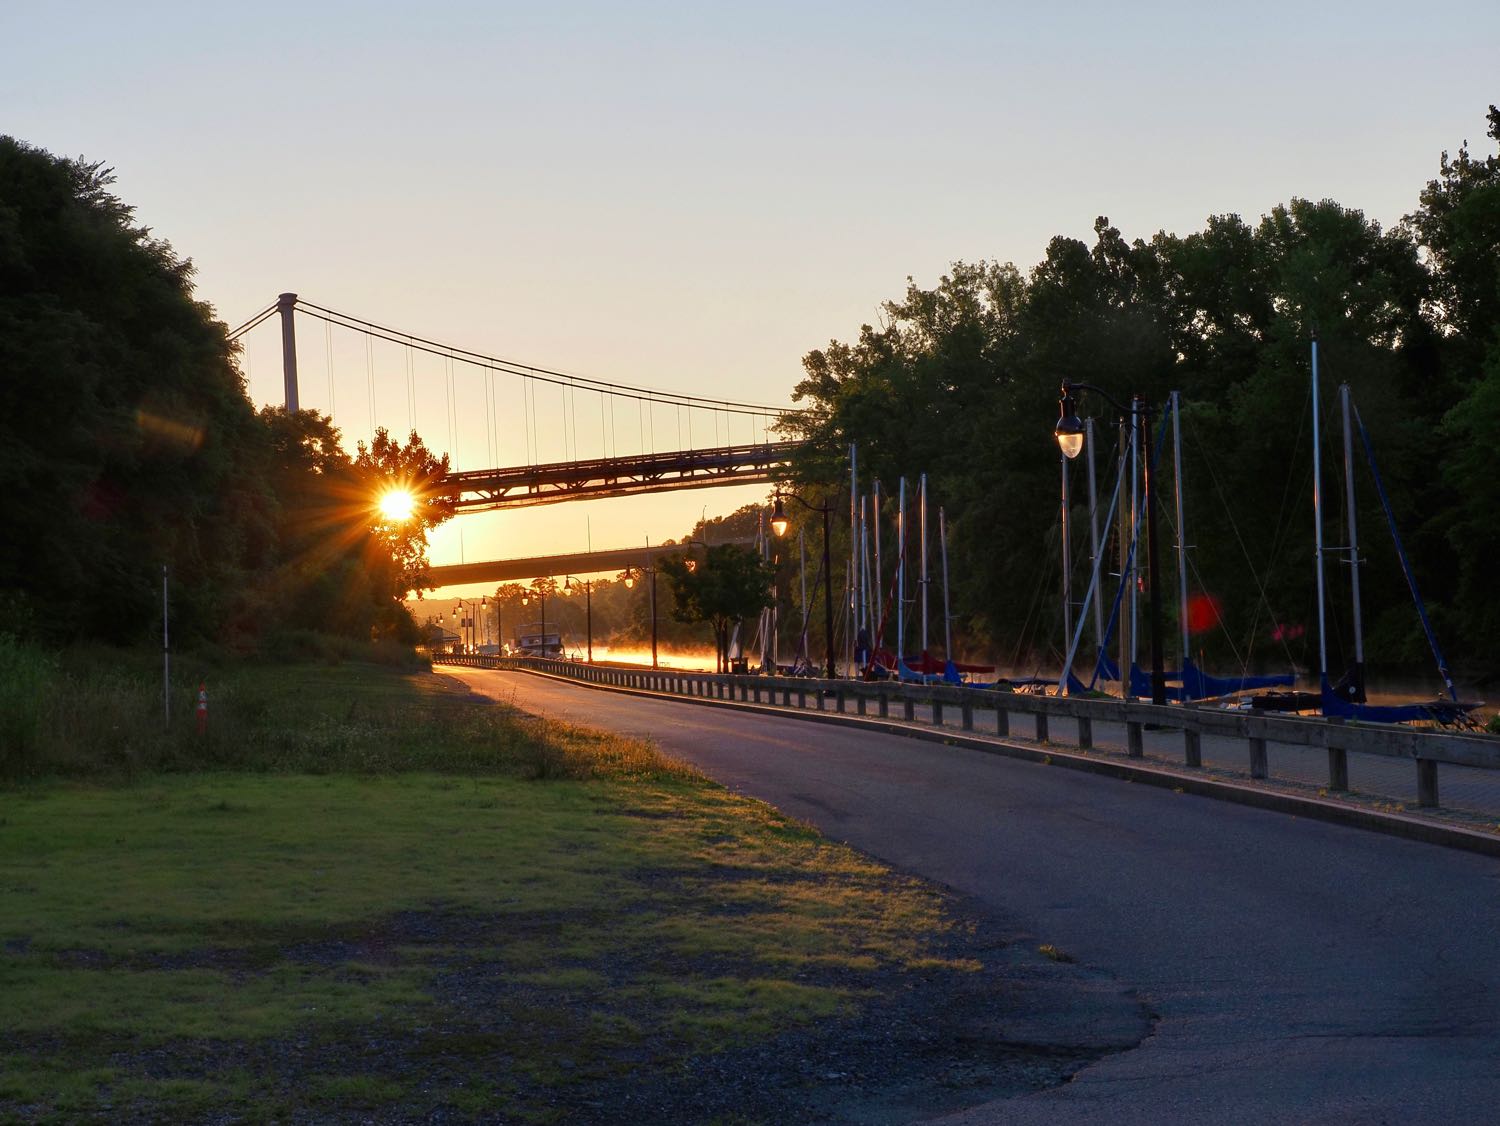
{"type": "Point", "coordinates": [802, 574]}
{"type": "Point", "coordinates": [875, 534]}
{"type": "Point", "coordinates": [1359, 629]}
{"type": "Point", "coordinates": [947, 621]}
{"type": "Point", "coordinates": [922, 525]}
{"type": "Point", "coordinates": [1122, 537]}
{"type": "Point", "coordinates": [1088, 448]}
{"type": "Point", "coordinates": [1318, 523]}
{"type": "Point", "coordinates": [1135, 522]}
{"type": "Point", "coordinates": [871, 593]}
{"type": "Point", "coordinates": [1182, 601]}
{"type": "Point", "coordinates": [1067, 552]}
{"type": "Point", "coordinates": [854, 576]}
{"type": "Point", "coordinates": [901, 574]}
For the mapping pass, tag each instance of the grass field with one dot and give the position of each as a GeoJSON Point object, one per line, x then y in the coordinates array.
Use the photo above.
{"type": "Point", "coordinates": [371, 896]}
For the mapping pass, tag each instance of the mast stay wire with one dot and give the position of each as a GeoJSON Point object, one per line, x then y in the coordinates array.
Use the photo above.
{"type": "Point", "coordinates": [1278, 540]}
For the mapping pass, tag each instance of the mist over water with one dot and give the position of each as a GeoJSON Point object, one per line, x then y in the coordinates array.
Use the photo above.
{"type": "Point", "coordinates": [688, 660]}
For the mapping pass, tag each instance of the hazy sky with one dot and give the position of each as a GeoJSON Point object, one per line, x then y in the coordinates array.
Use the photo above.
{"type": "Point", "coordinates": [692, 196]}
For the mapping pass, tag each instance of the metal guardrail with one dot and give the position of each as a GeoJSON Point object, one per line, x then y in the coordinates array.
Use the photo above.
{"type": "Point", "coordinates": [1426, 749]}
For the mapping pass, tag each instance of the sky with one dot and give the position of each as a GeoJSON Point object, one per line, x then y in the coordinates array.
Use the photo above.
{"type": "Point", "coordinates": [692, 196]}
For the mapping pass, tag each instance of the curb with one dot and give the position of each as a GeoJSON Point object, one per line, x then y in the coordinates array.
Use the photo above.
{"type": "Point", "coordinates": [1320, 809]}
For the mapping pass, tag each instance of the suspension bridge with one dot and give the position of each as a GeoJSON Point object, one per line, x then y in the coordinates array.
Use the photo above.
{"type": "Point", "coordinates": [615, 439]}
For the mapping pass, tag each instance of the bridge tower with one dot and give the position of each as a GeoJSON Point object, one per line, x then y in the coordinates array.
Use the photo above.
{"type": "Point", "coordinates": [286, 305]}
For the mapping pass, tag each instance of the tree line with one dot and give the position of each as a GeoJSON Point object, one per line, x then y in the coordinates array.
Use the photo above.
{"type": "Point", "coordinates": [961, 381]}
{"type": "Point", "coordinates": [128, 445]}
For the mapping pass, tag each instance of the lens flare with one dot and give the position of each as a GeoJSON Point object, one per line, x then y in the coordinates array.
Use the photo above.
{"type": "Point", "coordinates": [396, 505]}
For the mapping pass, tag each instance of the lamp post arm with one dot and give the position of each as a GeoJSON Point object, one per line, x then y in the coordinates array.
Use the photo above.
{"type": "Point", "coordinates": [813, 507]}
{"type": "Point", "coordinates": [1069, 387]}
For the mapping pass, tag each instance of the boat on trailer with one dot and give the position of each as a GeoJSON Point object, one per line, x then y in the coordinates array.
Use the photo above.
{"type": "Point", "coordinates": [1346, 699]}
{"type": "Point", "coordinates": [535, 640]}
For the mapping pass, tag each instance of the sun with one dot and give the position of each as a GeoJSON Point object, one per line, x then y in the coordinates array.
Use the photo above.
{"type": "Point", "coordinates": [397, 505]}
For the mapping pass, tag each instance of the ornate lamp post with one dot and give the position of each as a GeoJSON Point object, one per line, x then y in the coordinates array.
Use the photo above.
{"type": "Point", "coordinates": [779, 525]}
{"type": "Point", "coordinates": [1070, 432]}
{"type": "Point", "coordinates": [629, 579]}
{"type": "Point", "coordinates": [467, 621]}
{"type": "Point", "coordinates": [541, 593]}
{"type": "Point", "coordinates": [569, 582]}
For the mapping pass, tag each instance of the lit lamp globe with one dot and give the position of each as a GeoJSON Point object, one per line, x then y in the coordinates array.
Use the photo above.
{"type": "Point", "coordinates": [1070, 435]}
{"type": "Point", "coordinates": [779, 522]}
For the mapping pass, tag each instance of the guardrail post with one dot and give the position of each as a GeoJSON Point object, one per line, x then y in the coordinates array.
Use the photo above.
{"type": "Point", "coordinates": [1338, 768]}
{"type": "Point", "coordinates": [908, 709]}
{"type": "Point", "coordinates": [1192, 747]}
{"type": "Point", "coordinates": [884, 707]}
{"type": "Point", "coordinates": [1258, 765]}
{"type": "Point", "coordinates": [1427, 787]}
{"type": "Point", "coordinates": [1002, 721]}
{"type": "Point", "coordinates": [802, 698]}
{"type": "Point", "coordinates": [937, 713]}
{"type": "Point", "coordinates": [839, 700]}
{"type": "Point", "coordinates": [1041, 728]}
{"type": "Point", "coordinates": [819, 694]}
{"type": "Point", "coordinates": [1085, 733]}
{"type": "Point", "coordinates": [786, 697]}
{"type": "Point", "coordinates": [859, 704]}
{"type": "Point", "coordinates": [966, 711]}
{"type": "Point", "coordinates": [1135, 743]}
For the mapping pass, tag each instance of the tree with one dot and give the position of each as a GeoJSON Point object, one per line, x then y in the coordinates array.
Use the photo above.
{"type": "Point", "coordinates": [730, 584]}
{"type": "Point", "coordinates": [126, 439]}
{"type": "Point", "coordinates": [386, 465]}
{"type": "Point", "coordinates": [1458, 227]}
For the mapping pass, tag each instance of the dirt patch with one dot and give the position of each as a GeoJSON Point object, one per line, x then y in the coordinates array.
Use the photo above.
{"type": "Point", "coordinates": [981, 1018]}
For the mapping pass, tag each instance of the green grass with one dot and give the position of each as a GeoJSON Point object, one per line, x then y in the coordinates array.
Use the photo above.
{"type": "Point", "coordinates": [504, 909]}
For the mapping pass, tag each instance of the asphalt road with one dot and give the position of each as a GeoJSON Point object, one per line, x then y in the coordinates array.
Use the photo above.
{"type": "Point", "coordinates": [1302, 972]}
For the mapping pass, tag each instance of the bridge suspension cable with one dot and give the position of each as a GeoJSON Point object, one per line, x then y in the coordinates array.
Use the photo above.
{"type": "Point", "coordinates": [236, 333]}
{"type": "Point", "coordinates": [530, 371]}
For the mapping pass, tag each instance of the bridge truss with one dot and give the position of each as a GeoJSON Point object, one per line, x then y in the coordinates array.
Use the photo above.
{"type": "Point", "coordinates": [526, 485]}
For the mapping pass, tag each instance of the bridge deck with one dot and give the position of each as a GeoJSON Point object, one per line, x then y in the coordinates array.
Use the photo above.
{"type": "Point", "coordinates": [481, 489]}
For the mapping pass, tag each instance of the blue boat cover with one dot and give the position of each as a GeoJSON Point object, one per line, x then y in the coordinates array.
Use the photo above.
{"type": "Point", "coordinates": [1199, 685]}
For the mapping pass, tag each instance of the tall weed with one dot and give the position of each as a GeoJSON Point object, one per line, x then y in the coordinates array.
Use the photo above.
{"type": "Point", "coordinates": [27, 682]}
{"type": "Point", "coordinates": [102, 714]}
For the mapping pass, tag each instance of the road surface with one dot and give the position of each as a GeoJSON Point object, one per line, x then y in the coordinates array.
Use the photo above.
{"type": "Point", "coordinates": [1302, 972]}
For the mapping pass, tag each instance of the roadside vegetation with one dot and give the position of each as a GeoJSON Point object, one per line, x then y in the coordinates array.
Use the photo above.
{"type": "Point", "coordinates": [365, 891]}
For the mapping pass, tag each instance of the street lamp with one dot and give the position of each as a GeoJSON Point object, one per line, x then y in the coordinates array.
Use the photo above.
{"type": "Point", "coordinates": [649, 570]}
{"type": "Point", "coordinates": [469, 621]}
{"type": "Point", "coordinates": [1070, 435]}
{"type": "Point", "coordinates": [779, 525]}
{"type": "Point", "coordinates": [588, 608]}
{"type": "Point", "coordinates": [541, 593]}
